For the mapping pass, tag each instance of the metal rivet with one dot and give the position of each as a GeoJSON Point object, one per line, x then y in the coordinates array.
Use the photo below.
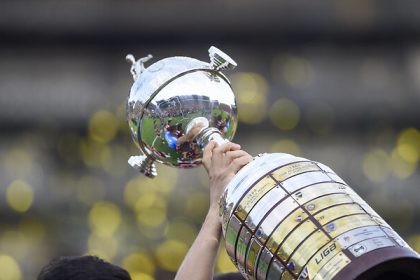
{"type": "Point", "coordinates": [291, 266]}
{"type": "Point", "coordinates": [311, 207]}
{"type": "Point", "coordinates": [331, 227]}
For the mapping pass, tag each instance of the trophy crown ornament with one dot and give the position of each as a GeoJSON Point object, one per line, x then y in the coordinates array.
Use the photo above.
{"type": "Point", "coordinates": [176, 105]}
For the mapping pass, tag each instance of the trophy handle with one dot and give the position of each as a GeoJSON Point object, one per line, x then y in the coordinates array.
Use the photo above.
{"type": "Point", "coordinates": [220, 60]}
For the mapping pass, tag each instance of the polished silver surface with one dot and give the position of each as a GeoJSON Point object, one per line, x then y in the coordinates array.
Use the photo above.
{"type": "Point", "coordinates": [137, 66]}
{"type": "Point", "coordinates": [305, 179]}
{"type": "Point", "coordinates": [232, 234]}
{"type": "Point", "coordinates": [173, 94]}
{"type": "Point", "coordinates": [242, 246]}
{"type": "Point", "coordinates": [254, 250]}
{"type": "Point", "coordinates": [263, 207]}
{"type": "Point", "coordinates": [297, 218]}
{"type": "Point", "coordinates": [263, 263]}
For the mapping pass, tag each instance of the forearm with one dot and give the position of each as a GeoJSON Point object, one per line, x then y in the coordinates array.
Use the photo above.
{"type": "Point", "coordinates": [200, 259]}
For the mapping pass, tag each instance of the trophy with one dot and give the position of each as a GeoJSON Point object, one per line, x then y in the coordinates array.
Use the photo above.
{"type": "Point", "coordinates": [283, 217]}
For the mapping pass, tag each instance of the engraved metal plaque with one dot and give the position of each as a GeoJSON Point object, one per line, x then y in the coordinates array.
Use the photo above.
{"type": "Point", "coordinates": [298, 220]}
{"type": "Point", "coordinates": [368, 245]}
{"type": "Point", "coordinates": [293, 169]}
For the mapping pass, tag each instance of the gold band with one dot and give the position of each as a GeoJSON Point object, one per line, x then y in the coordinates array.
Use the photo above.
{"type": "Point", "coordinates": [284, 229]}
{"type": "Point", "coordinates": [253, 196]}
{"type": "Point", "coordinates": [338, 211]}
{"type": "Point", "coordinates": [294, 239]}
{"type": "Point", "coordinates": [313, 191]}
{"type": "Point", "coordinates": [311, 245]}
{"type": "Point", "coordinates": [344, 224]}
{"type": "Point", "coordinates": [290, 170]}
{"type": "Point", "coordinates": [323, 202]}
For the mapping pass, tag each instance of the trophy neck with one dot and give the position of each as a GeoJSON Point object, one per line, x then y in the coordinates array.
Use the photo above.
{"type": "Point", "coordinates": [210, 134]}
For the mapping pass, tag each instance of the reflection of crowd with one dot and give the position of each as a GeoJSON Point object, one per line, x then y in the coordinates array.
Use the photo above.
{"type": "Point", "coordinates": [179, 106]}
{"type": "Point", "coordinates": [221, 123]}
{"type": "Point", "coordinates": [172, 133]}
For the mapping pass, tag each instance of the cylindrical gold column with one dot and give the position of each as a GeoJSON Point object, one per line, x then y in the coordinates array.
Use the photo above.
{"type": "Point", "coordinates": [286, 217]}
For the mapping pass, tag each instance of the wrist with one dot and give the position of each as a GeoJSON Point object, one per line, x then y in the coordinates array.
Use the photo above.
{"type": "Point", "coordinates": [212, 221]}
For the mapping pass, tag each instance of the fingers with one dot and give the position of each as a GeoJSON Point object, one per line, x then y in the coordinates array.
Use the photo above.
{"type": "Point", "coordinates": [219, 152]}
{"type": "Point", "coordinates": [240, 162]}
{"type": "Point", "coordinates": [231, 155]}
{"type": "Point", "coordinates": [210, 147]}
{"type": "Point", "coordinates": [208, 152]}
{"type": "Point", "coordinates": [229, 146]}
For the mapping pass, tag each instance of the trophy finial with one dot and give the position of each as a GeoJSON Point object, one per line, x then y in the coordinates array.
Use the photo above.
{"type": "Point", "coordinates": [137, 66]}
{"type": "Point", "coordinates": [219, 60]}
{"type": "Point", "coordinates": [144, 164]}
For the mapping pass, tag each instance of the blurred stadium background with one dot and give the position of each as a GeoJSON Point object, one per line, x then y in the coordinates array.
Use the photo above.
{"type": "Point", "coordinates": [334, 81]}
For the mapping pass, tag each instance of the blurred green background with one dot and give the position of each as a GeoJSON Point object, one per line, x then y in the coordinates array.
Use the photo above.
{"type": "Point", "coordinates": [334, 81]}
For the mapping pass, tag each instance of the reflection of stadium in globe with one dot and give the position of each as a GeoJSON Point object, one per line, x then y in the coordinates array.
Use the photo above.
{"type": "Point", "coordinates": [164, 100]}
{"type": "Point", "coordinates": [170, 118]}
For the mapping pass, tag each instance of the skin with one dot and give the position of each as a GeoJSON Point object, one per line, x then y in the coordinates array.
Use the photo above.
{"type": "Point", "coordinates": [221, 164]}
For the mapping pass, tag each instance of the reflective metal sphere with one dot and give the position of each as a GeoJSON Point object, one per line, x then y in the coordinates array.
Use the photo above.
{"type": "Point", "coordinates": [172, 95]}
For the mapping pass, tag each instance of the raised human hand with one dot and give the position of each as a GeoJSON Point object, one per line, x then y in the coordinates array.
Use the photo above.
{"type": "Point", "coordinates": [222, 163]}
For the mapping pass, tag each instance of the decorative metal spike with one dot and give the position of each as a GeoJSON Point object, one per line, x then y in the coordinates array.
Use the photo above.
{"type": "Point", "coordinates": [137, 66]}
{"type": "Point", "coordinates": [219, 60]}
{"type": "Point", "coordinates": [143, 164]}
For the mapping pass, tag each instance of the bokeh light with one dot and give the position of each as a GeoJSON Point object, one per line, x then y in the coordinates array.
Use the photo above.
{"type": "Point", "coordinates": [287, 146]}
{"type": "Point", "coordinates": [224, 263]}
{"type": "Point", "coordinates": [170, 254]}
{"type": "Point", "coordinates": [94, 154]}
{"type": "Point", "coordinates": [408, 145]}
{"type": "Point", "coordinates": [104, 247]}
{"type": "Point", "coordinates": [18, 162]}
{"type": "Point", "coordinates": [9, 268]}
{"type": "Point", "coordinates": [15, 244]}
{"type": "Point", "coordinates": [181, 231]}
{"type": "Point", "coordinates": [139, 185]}
{"type": "Point", "coordinates": [103, 126]}
{"type": "Point", "coordinates": [19, 196]}
{"type": "Point", "coordinates": [137, 263]}
{"type": "Point", "coordinates": [284, 114]}
{"type": "Point", "coordinates": [104, 218]}
{"type": "Point", "coordinates": [154, 214]}
{"type": "Point", "coordinates": [140, 276]}
{"type": "Point", "coordinates": [251, 91]}
{"type": "Point", "coordinates": [295, 71]}
{"type": "Point", "coordinates": [400, 166]}
{"type": "Point", "coordinates": [376, 165]}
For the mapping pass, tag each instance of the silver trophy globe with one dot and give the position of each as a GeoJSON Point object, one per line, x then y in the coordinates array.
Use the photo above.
{"type": "Point", "coordinates": [283, 217]}
{"type": "Point", "coordinates": [176, 106]}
